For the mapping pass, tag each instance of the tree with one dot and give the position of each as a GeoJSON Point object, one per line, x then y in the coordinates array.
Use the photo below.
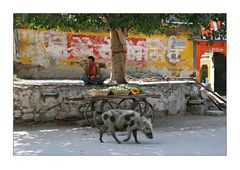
{"type": "Point", "coordinates": [119, 25]}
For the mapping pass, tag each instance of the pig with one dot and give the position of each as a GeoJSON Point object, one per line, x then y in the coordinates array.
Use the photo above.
{"type": "Point", "coordinates": [125, 120]}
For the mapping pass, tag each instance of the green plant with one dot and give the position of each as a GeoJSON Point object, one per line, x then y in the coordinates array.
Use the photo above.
{"type": "Point", "coordinates": [15, 78]}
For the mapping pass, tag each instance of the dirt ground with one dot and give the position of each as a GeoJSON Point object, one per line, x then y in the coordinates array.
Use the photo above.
{"type": "Point", "coordinates": [173, 135]}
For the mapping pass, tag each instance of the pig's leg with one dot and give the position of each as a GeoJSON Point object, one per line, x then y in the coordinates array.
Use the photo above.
{"type": "Point", "coordinates": [129, 132]}
{"type": "Point", "coordinates": [135, 136]}
{"type": "Point", "coordinates": [113, 135]}
{"type": "Point", "coordinates": [101, 133]}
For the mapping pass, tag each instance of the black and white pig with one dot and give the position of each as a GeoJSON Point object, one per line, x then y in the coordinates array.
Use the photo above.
{"type": "Point", "coordinates": [125, 120]}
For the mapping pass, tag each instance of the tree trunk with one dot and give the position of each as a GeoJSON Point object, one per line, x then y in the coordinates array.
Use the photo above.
{"type": "Point", "coordinates": [119, 55]}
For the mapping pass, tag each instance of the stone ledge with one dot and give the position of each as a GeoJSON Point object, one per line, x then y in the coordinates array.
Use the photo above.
{"type": "Point", "coordinates": [163, 82]}
{"type": "Point", "coordinates": [215, 112]}
{"type": "Point", "coordinates": [49, 82]}
{"type": "Point", "coordinates": [80, 82]}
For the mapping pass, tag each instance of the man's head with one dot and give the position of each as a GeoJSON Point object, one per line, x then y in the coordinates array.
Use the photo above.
{"type": "Point", "coordinates": [90, 60]}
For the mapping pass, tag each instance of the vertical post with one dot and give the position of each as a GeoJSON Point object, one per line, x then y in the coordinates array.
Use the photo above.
{"type": "Point", "coordinates": [194, 56]}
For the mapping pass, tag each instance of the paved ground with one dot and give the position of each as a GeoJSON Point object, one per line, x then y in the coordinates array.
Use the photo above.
{"type": "Point", "coordinates": [184, 135]}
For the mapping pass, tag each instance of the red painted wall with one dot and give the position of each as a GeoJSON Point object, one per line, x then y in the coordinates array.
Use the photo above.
{"type": "Point", "coordinates": [202, 46]}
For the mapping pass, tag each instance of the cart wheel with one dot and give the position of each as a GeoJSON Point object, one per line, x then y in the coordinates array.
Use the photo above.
{"type": "Point", "coordinates": [82, 109]}
{"type": "Point", "coordinates": [89, 112]}
{"type": "Point", "coordinates": [136, 106]}
{"type": "Point", "coordinates": [147, 109]}
{"type": "Point", "coordinates": [130, 104]}
{"type": "Point", "coordinates": [125, 104]}
{"type": "Point", "coordinates": [103, 107]}
{"type": "Point", "coordinates": [111, 105]}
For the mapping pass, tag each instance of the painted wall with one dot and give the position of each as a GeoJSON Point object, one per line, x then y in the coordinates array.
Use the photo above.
{"type": "Point", "coordinates": [49, 54]}
{"type": "Point", "coordinates": [206, 59]}
{"type": "Point", "coordinates": [203, 46]}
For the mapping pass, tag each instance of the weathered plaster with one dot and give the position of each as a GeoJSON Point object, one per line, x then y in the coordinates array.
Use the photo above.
{"type": "Point", "coordinates": [49, 54]}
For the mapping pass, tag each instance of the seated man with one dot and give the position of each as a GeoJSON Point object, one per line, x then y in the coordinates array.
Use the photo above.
{"type": "Point", "coordinates": [91, 73]}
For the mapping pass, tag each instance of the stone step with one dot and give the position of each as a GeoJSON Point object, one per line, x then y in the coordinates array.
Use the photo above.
{"type": "Point", "coordinates": [197, 102]}
{"type": "Point", "coordinates": [215, 112]}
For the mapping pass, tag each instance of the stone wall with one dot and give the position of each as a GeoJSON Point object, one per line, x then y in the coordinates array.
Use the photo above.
{"type": "Point", "coordinates": [44, 100]}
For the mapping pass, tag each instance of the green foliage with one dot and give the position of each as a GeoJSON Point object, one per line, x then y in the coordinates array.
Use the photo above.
{"type": "Point", "coordinates": [142, 23]}
{"type": "Point", "coordinates": [15, 78]}
{"type": "Point", "coordinates": [196, 20]}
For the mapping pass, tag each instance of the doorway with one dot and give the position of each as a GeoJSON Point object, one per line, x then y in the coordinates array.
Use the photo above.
{"type": "Point", "coordinates": [219, 61]}
{"type": "Point", "coordinates": [204, 73]}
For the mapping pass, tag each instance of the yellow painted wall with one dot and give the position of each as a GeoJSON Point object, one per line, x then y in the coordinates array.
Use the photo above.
{"type": "Point", "coordinates": [172, 56]}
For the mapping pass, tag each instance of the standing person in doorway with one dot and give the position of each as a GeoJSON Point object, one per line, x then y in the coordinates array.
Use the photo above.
{"type": "Point", "coordinates": [91, 73]}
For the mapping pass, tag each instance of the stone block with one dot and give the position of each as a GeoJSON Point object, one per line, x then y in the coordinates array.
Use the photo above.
{"type": "Point", "coordinates": [196, 109]}
{"type": "Point", "coordinates": [28, 117]}
{"type": "Point", "coordinates": [215, 112]}
{"type": "Point", "coordinates": [17, 113]}
{"type": "Point", "coordinates": [51, 113]}
{"type": "Point", "coordinates": [25, 101]}
{"type": "Point", "coordinates": [27, 110]}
